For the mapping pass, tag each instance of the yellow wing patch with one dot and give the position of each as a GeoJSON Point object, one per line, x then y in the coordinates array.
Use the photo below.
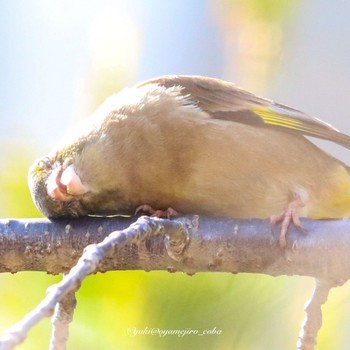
{"type": "Point", "coordinates": [273, 118]}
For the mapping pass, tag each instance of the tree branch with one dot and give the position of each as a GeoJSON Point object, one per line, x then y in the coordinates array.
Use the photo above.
{"type": "Point", "coordinates": [313, 315]}
{"type": "Point", "coordinates": [61, 319]}
{"type": "Point", "coordinates": [175, 236]}
{"type": "Point", "coordinates": [188, 244]}
{"type": "Point", "coordinates": [216, 244]}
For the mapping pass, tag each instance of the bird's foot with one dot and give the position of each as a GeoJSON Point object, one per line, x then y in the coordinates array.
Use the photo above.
{"type": "Point", "coordinates": [290, 214]}
{"type": "Point", "coordinates": [168, 213]}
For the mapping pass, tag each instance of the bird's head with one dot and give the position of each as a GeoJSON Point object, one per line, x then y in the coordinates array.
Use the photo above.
{"type": "Point", "coordinates": [55, 187]}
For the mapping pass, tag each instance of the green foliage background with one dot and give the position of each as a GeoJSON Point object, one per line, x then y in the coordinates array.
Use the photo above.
{"type": "Point", "coordinates": [252, 311]}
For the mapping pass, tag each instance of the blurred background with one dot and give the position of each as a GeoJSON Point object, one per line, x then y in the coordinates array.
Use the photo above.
{"type": "Point", "coordinates": [60, 59]}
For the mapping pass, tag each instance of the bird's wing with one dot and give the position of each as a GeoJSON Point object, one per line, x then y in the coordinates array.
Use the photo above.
{"type": "Point", "coordinates": [224, 100]}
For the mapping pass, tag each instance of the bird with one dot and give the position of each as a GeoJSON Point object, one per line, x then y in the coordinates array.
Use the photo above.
{"type": "Point", "coordinates": [194, 144]}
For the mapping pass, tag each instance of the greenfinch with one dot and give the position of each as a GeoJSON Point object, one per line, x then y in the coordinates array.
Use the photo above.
{"type": "Point", "coordinates": [197, 145]}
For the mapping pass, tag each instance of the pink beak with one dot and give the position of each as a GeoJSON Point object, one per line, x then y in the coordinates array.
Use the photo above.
{"type": "Point", "coordinates": [62, 185]}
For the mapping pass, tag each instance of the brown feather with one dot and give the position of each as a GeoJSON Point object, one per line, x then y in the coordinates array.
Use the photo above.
{"type": "Point", "coordinates": [198, 145]}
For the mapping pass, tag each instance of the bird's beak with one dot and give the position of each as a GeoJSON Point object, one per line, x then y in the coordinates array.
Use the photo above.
{"type": "Point", "coordinates": [63, 184]}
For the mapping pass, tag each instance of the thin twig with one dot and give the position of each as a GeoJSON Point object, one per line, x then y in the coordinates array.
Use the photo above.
{"type": "Point", "coordinates": [175, 232]}
{"type": "Point", "coordinates": [313, 315]}
{"type": "Point", "coordinates": [61, 319]}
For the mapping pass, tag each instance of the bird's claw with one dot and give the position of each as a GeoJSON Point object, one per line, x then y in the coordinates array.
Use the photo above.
{"type": "Point", "coordinates": [168, 213]}
{"type": "Point", "coordinates": [290, 214]}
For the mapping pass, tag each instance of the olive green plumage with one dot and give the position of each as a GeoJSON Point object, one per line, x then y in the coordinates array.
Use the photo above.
{"type": "Point", "coordinates": [197, 145]}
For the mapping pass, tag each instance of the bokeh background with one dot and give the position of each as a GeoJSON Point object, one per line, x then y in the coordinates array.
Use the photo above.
{"type": "Point", "coordinates": [60, 59]}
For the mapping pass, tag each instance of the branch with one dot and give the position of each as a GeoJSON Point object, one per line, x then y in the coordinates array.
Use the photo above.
{"type": "Point", "coordinates": [313, 315]}
{"type": "Point", "coordinates": [216, 244]}
{"type": "Point", "coordinates": [61, 319]}
{"type": "Point", "coordinates": [188, 244]}
{"type": "Point", "coordinates": [176, 238]}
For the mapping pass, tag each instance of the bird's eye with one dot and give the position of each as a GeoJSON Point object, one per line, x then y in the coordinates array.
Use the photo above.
{"type": "Point", "coordinates": [44, 163]}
